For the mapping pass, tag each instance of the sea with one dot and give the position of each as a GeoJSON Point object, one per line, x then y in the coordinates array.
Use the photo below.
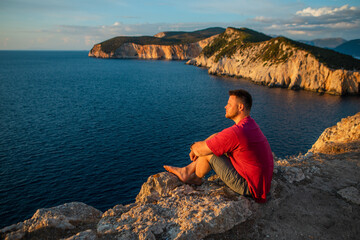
{"type": "Point", "coordinates": [75, 128]}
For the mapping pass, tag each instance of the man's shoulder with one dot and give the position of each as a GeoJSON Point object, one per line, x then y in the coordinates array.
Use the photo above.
{"type": "Point", "coordinates": [247, 123]}
{"type": "Point", "coordinates": [247, 120]}
{"type": "Point", "coordinates": [226, 134]}
{"type": "Point", "coordinates": [231, 129]}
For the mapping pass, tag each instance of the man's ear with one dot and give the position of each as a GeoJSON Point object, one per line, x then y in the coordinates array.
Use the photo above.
{"type": "Point", "coordinates": [241, 107]}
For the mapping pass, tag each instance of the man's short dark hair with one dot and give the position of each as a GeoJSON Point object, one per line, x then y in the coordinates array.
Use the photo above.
{"type": "Point", "coordinates": [244, 96]}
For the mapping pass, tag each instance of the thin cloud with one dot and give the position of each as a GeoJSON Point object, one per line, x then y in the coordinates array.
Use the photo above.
{"type": "Point", "coordinates": [324, 22]}
{"type": "Point", "coordinates": [297, 32]}
{"type": "Point", "coordinates": [347, 16]}
{"type": "Point", "coordinates": [325, 11]}
{"type": "Point", "coordinates": [263, 19]}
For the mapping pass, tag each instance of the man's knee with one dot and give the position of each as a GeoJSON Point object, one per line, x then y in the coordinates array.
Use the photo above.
{"type": "Point", "coordinates": [208, 157]}
{"type": "Point", "coordinates": [204, 159]}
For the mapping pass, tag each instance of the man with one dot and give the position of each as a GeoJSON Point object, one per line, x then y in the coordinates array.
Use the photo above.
{"type": "Point", "coordinates": [240, 155]}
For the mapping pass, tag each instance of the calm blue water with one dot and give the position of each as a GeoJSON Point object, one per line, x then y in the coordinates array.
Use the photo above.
{"type": "Point", "coordinates": [74, 128]}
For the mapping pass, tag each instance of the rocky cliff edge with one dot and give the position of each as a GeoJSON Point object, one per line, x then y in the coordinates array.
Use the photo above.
{"type": "Point", "coordinates": [313, 196]}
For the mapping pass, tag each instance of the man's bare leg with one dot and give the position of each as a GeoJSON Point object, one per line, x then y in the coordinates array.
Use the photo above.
{"type": "Point", "coordinates": [192, 173]}
{"type": "Point", "coordinates": [203, 166]}
{"type": "Point", "coordinates": [185, 174]}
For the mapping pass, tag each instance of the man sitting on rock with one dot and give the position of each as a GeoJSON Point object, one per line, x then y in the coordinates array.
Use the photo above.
{"type": "Point", "coordinates": [240, 155]}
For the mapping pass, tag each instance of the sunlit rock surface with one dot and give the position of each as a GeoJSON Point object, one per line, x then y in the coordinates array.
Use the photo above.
{"type": "Point", "coordinates": [55, 223]}
{"type": "Point", "coordinates": [177, 211]}
{"type": "Point", "coordinates": [342, 137]}
{"type": "Point", "coordinates": [153, 51]}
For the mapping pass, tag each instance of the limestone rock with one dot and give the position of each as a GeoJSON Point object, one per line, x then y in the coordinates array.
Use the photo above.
{"type": "Point", "coordinates": [178, 211]}
{"type": "Point", "coordinates": [57, 220]}
{"type": "Point", "coordinates": [294, 174]}
{"type": "Point", "coordinates": [153, 51]}
{"type": "Point", "coordinates": [343, 137]}
{"type": "Point", "coordinates": [85, 235]}
{"type": "Point", "coordinates": [158, 185]}
{"type": "Point", "coordinates": [351, 194]}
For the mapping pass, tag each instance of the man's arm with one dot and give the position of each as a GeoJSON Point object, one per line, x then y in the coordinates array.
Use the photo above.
{"type": "Point", "coordinates": [200, 148]}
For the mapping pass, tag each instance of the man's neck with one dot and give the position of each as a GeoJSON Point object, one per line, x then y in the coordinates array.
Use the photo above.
{"type": "Point", "coordinates": [240, 117]}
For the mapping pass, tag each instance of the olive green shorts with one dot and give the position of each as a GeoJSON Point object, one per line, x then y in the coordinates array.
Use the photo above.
{"type": "Point", "coordinates": [225, 170]}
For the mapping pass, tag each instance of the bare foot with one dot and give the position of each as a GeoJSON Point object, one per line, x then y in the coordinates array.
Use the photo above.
{"type": "Point", "coordinates": [184, 175]}
{"type": "Point", "coordinates": [179, 172]}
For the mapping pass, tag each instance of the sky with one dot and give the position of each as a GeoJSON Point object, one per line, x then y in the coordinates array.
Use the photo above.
{"type": "Point", "coordinates": [79, 24]}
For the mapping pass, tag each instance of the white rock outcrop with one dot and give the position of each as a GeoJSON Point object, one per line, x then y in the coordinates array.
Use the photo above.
{"type": "Point", "coordinates": [59, 221]}
{"type": "Point", "coordinates": [167, 209]}
{"type": "Point", "coordinates": [344, 136]}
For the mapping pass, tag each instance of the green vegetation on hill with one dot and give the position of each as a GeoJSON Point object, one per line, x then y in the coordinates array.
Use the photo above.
{"type": "Point", "coordinates": [170, 38]}
{"type": "Point", "coordinates": [274, 53]}
{"type": "Point", "coordinates": [195, 36]}
{"type": "Point", "coordinates": [231, 41]}
{"type": "Point", "coordinates": [328, 57]}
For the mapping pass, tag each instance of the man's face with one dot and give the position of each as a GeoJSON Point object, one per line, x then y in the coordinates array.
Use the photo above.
{"type": "Point", "coordinates": [232, 107]}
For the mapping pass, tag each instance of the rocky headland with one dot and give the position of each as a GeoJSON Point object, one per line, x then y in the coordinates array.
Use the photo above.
{"type": "Point", "coordinates": [280, 62]}
{"type": "Point", "coordinates": [313, 196]}
{"type": "Point", "coordinates": [164, 45]}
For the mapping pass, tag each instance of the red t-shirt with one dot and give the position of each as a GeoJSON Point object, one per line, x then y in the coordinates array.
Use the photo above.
{"type": "Point", "coordinates": [249, 152]}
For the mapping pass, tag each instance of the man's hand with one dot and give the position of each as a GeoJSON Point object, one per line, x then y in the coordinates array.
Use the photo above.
{"type": "Point", "coordinates": [199, 149]}
{"type": "Point", "coordinates": [192, 155]}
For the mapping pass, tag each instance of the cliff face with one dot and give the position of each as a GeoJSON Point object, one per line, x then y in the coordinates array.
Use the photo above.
{"type": "Point", "coordinates": [280, 62]}
{"type": "Point", "coordinates": [164, 45]}
{"type": "Point", "coordinates": [153, 51]}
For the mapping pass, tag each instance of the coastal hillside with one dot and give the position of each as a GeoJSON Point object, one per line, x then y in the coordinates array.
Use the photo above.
{"type": "Point", "coordinates": [313, 196]}
{"type": "Point", "coordinates": [164, 45]}
{"type": "Point", "coordinates": [325, 42]}
{"type": "Point", "coordinates": [351, 48]}
{"type": "Point", "coordinates": [280, 62]}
